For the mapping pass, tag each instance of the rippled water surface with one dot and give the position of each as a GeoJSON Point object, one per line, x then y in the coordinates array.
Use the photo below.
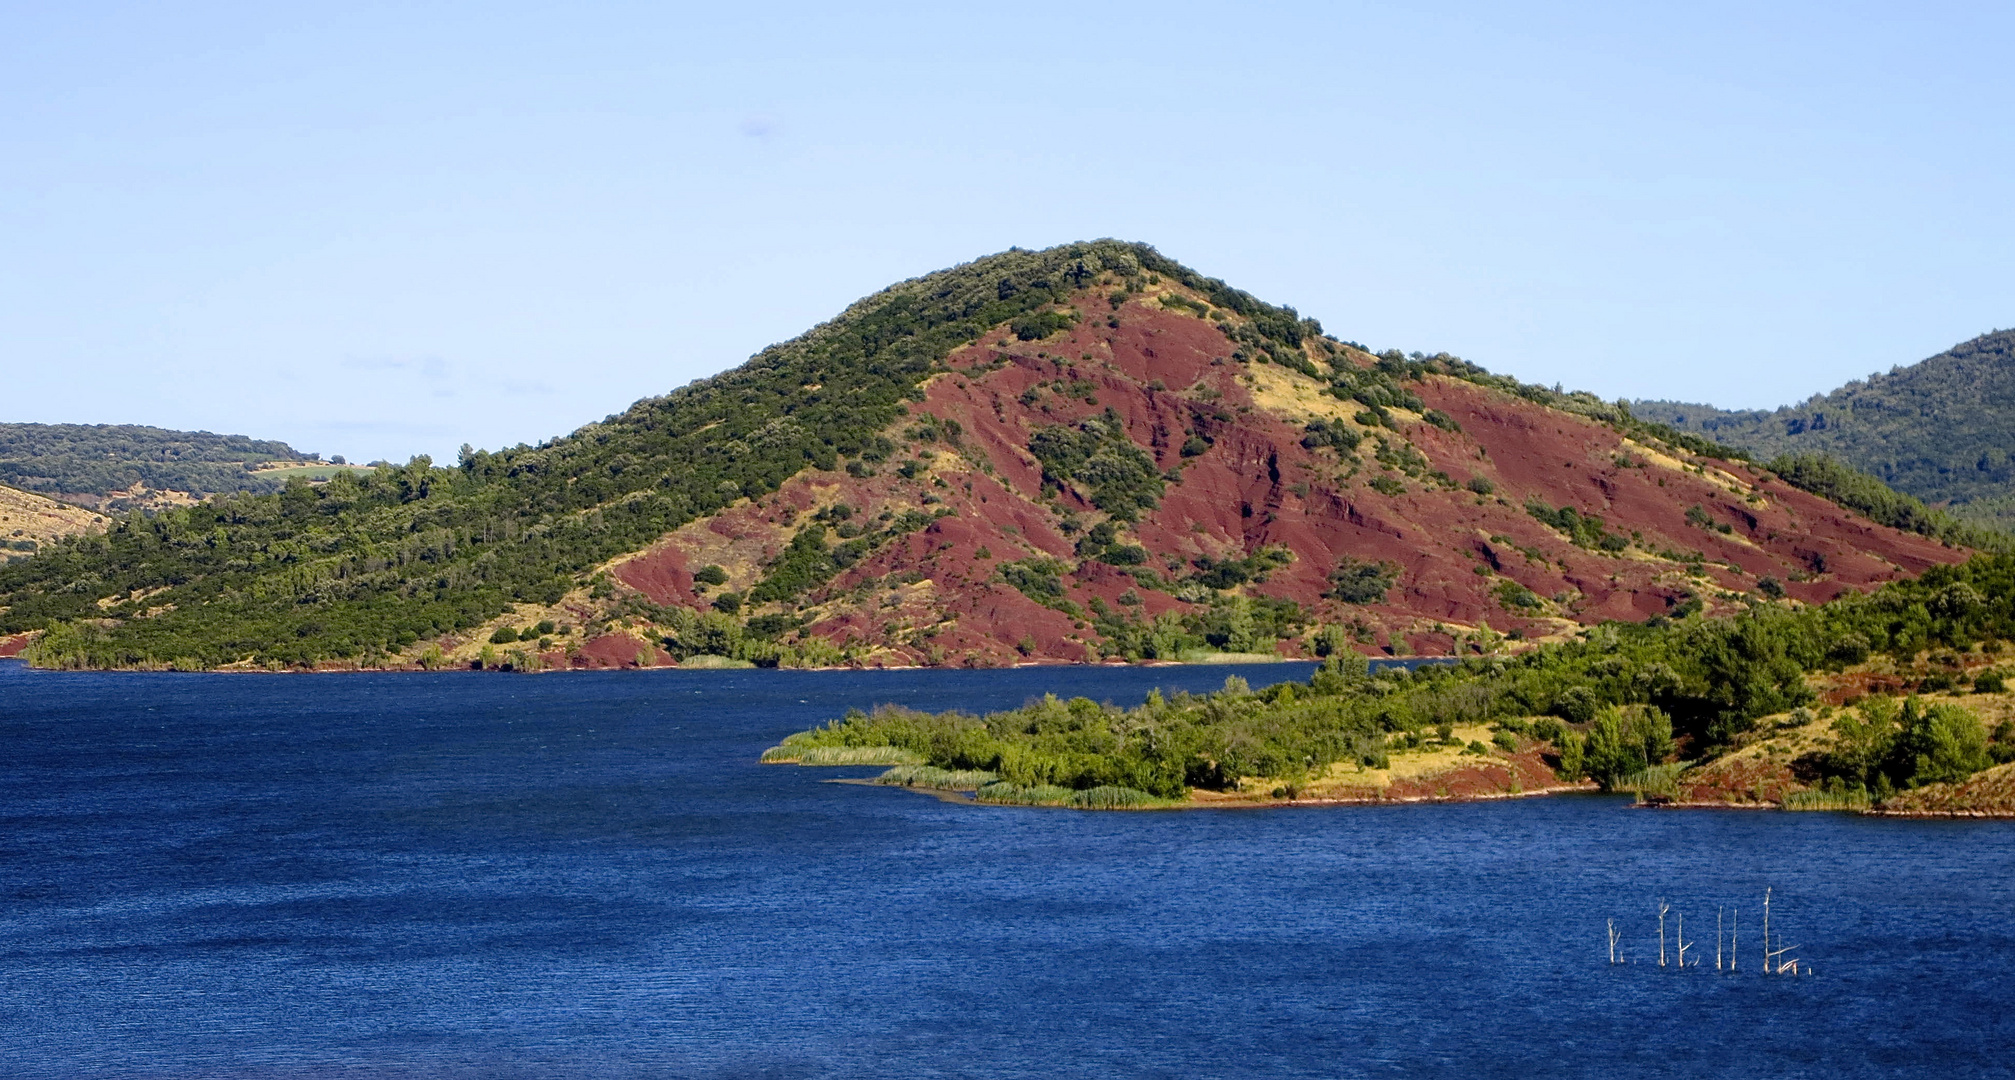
{"type": "Point", "coordinates": [588, 875]}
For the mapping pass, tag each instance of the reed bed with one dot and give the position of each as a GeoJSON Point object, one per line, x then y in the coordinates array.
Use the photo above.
{"type": "Point", "coordinates": [1823, 799]}
{"type": "Point", "coordinates": [1007, 794]}
{"type": "Point", "coordinates": [930, 776]}
{"type": "Point", "coordinates": [1656, 781]}
{"type": "Point", "coordinates": [841, 755]}
{"type": "Point", "coordinates": [1106, 797]}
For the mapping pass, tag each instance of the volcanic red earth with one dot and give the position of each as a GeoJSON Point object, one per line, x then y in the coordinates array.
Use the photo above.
{"type": "Point", "coordinates": [933, 596]}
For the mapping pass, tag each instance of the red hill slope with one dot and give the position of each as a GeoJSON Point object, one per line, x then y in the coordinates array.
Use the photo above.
{"type": "Point", "coordinates": [1456, 503]}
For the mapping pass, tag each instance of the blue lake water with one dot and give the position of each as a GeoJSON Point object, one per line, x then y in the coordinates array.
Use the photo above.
{"type": "Point", "coordinates": [588, 875]}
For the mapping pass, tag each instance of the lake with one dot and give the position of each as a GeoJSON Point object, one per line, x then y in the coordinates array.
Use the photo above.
{"type": "Point", "coordinates": [588, 875]}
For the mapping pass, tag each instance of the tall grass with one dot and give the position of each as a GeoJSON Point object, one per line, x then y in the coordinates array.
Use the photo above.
{"type": "Point", "coordinates": [1099, 798]}
{"type": "Point", "coordinates": [1822, 799]}
{"type": "Point", "coordinates": [1658, 781]}
{"type": "Point", "coordinates": [841, 755]}
{"type": "Point", "coordinates": [930, 776]}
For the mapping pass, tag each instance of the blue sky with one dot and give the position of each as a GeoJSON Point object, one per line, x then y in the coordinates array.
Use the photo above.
{"type": "Point", "coordinates": [387, 230]}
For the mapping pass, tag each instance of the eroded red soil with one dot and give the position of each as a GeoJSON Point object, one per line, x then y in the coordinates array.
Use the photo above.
{"type": "Point", "coordinates": [934, 596]}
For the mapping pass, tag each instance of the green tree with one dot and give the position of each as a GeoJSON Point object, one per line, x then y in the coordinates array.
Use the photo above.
{"type": "Point", "coordinates": [1938, 744]}
{"type": "Point", "coordinates": [1861, 740]}
{"type": "Point", "coordinates": [1626, 741]}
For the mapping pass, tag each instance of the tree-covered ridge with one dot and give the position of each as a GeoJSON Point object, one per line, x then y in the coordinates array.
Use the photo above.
{"type": "Point", "coordinates": [1622, 698]}
{"type": "Point", "coordinates": [1942, 429]}
{"type": "Point", "coordinates": [93, 459]}
{"type": "Point", "coordinates": [1866, 495]}
{"type": "Point", "coordinates": [363, 566]}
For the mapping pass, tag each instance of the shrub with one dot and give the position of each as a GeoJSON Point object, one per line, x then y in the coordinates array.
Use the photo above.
{"type": "Point", "coordinates": [1039, 325]}
{"type": "Point", "coordinates": [1514, 596]}
{"type": "Point", "coordinates": [711, 574]}
{"type": "Point", "coordinates": [1358, 581]}
{"type": "Point", "coordinates": [1481, 485]}
{"type": "Point", "coordinates": [1583, 530]}
{"type": "Point", "coordinates": [1325, 433]}
{"type": "Point", "coordinates": [1121, 476]}
{"type": "Point", "coordinates": [1576, 705]}
{"type": "Point", "coordinates": [504, 635]}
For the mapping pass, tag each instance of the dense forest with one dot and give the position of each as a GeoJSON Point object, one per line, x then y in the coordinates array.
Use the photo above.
{"type": "Point", "coordinates": [1622, 698]}
{"type": "Point", "coordinates": [1942, 429]}
{"type": "Point", "coordinates": [94, 459]}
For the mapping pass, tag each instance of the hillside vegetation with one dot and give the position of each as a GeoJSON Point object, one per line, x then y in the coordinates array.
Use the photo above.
{"type": "Point", "coordinates": [28, 521]}
{"type": "Point", "coordinates": [1086, 452]}
{"type": "Point", "coordinates": [1942, 429]}
{"type": "Point", "coordinates": [101, 459]}
{"type": "Point", "coordinates": [1620, 705]}
{"type": "Point", "coordinates": [364, 565]}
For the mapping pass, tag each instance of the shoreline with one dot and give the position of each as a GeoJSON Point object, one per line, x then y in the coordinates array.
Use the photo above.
{"type": "Point", "coordinates": [11, 648]}
{"type": "Point", "coordinates": [415, 670]}
{"type": "Point", "coordinates": [967, 797]}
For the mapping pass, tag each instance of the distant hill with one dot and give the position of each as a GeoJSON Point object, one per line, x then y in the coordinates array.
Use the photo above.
{"type": "Point", "coordinates": [1090, 452]}
{"type": "Point", "coordinates": [1942, 429]}
{"type": "Point", "coordinates": [104, 464]}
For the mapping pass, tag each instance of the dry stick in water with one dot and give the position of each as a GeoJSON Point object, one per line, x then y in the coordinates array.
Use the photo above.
{"type": "Point", "coordinates": [1663, 907]}
{"type": "Point", "coordinates": [1766, 931]}
{"type": "Point", "coordinates": [1612, 941]}
{"type": "Point", "coordinates": [1783, 966]}
{"type": "Point", "coordinates": [1681, 938]}
{"type": "Point", "coordinates": [1717, 938]}
{"type": "Point", "coordinates": [1734, 935]}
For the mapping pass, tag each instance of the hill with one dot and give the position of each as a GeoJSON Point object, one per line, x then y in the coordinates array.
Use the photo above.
{"type": "Point", "coordinates": [1941, 429]}
{"type": "Point", "coordinates": [1081, 453]}
{"type": "Point", "coordinates": [121, 466]}
{"type": "Point", "coordinates": [28, 521]}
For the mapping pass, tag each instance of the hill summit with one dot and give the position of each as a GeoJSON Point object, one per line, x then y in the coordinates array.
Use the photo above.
{"type": "Point", "coordinates": [1089, 452]}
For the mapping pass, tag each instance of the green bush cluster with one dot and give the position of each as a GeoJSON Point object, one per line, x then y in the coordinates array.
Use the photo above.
{"type": "Point", "coordinates": [1238, 624]}
{"type": "Point", "coordinates": [1328, 433]}
{"type": "Point", "coordinates": [1362, 581]}
{"type": "Point", "coordinates": [1103, 543]}
{"type": "Point", "coordinates": [1881, 747]}
{"type": "Point", "coordinates": [1041, 580]}
{"type": "Point", "coordinates": [1582, 530]}
{"type": "Point", "coordinates": [1231, 573]}
{"type": "Point", "coordinates": [1042, 324]}
{"type": "Point", "coordinates": [1120, 477]}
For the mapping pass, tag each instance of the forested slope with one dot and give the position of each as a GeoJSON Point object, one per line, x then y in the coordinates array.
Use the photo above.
{"type": "Point", "coordinates": [101, 459]}
{"type": "Point", "coordinates": [1942, 429]}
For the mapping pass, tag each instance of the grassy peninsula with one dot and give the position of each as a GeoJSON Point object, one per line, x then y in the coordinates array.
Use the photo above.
{"type": "Point", "coordinates": [1655, 707]}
